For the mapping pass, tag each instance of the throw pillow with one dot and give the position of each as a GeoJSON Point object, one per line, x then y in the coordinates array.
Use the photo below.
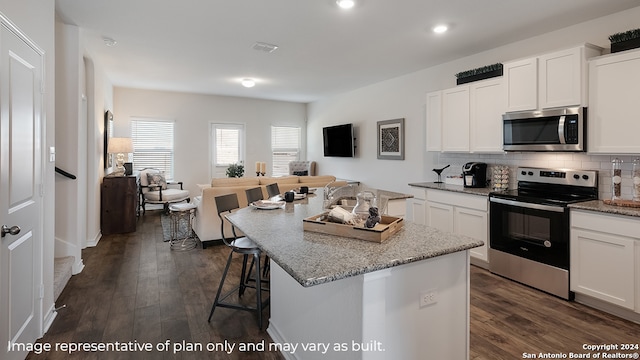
{"type": "Point", "coordinates": [156, 180]}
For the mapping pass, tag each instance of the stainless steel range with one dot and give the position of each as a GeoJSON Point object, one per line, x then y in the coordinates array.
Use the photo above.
{"type": "Point", "coordinates": [529, 226]}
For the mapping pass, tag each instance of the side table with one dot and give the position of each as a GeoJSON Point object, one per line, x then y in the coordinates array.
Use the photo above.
{"type": "Point", "coordinates": [182, 237]}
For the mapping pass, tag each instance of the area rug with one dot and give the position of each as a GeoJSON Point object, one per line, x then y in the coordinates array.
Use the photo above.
{"type": "Point", "coordinates": [165, 220]}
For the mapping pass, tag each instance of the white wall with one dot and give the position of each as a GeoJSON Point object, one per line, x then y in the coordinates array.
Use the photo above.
{"type": "Point", "coordinates": [404, 97]}
{"type": "Point", "coordinates": [36, 19]}
{"type": "Point", "coordinates": [193, 114]}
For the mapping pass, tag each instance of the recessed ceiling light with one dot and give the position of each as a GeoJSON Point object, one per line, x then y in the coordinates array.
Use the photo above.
{"type": "Point", "coordinates": [262, 46]}
{"type": "Point", "coordinates": [109, 41]}
{"type": "Point", "coordinates": [439, 29]}
{"type": "Point", "coordinates": [346, 4]}
{"type": "Point", "coordinates": [248, 83]}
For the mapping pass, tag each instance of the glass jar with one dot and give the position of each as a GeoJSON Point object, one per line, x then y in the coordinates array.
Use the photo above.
{"type": "Point", "coordinates": [616, 179]}
{"type": "Point", "coordinates": [635, 176]}
{"type": "Point", "coordinates": [365, 200]}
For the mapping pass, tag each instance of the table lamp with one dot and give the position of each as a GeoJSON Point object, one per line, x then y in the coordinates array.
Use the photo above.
{"type": "Point", "coordinates": [120, 147]}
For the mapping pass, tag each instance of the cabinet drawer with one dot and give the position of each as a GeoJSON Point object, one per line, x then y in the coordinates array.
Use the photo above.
{"type": "Point", "coordinates": [475, 202]}
{"type": "Point", "coordinates": [601, 222]}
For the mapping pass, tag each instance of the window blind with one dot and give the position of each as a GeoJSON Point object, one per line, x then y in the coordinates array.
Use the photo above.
{"type": "Point", "coordinates": [285, 147]}
{"type": "Point", "coordinates": [153, 145]}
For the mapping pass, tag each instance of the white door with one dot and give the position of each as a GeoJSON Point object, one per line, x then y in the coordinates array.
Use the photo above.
{"type": "Point", "coordinates": [20, 200]}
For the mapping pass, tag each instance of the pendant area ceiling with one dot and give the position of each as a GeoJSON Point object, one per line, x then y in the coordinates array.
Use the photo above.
{"type": "Point", "coordinates": [207, 46]}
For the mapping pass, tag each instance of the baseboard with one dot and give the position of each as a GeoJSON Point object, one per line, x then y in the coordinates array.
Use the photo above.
{"type": "Point", "coordinates": [608, 308]}
{"type": "Point", "coordinates": [48, 319]}
{"type": "Point", "coordinates": [277, 337]}
{"type": "Point", "coordinates": [479, 263]}
{"type": "Point", "coordinates": [78, 266]}
{"type": "Point", "coordinates": [94, 242]}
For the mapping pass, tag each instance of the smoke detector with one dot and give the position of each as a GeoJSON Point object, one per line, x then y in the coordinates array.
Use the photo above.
{"type": "Point", "coordinates": [261, 46]}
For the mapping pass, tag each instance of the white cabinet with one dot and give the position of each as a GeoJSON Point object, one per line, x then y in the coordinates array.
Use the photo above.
{"type": "Point", "coordinates": [603, 257]}
{"type": "Point", "coordinates": [434, 121]}
{"type": "Point", "coordinates": [551, 80]}
{"type": "Point", "coordinates": [470, 117]}
{"type": "Point", "coordinates": [487, 106]}
{"type": "Point", "coordinates": [455, 119]}
{"type": "Point", "coordinates": [462, 214]}
{"type": "Point", "coordinates": [614, 88]}
{"type": "Point", "coordinates": [521, 84]}
{"type": "Point", "coordinates": [416, 207]}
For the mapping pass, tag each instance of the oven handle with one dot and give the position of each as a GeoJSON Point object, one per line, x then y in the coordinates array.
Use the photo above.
{"type": "Point", "coordinates": [527, 205]}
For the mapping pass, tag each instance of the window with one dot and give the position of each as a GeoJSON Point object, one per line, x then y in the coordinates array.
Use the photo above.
{"type": "Point", "coordinates": [285, 147]}
{"type": "Point", "coordinates": [153, 145]}
{"type": "Point", "coordinates": [227, 146]}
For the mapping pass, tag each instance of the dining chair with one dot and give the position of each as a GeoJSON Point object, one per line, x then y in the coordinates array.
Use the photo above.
{"type": "Point", "coordinates": [273, 190]}
{"type": "Point", "coordinates": [254, 194]}
{"type": "Point", "coordinates": [240, 245]}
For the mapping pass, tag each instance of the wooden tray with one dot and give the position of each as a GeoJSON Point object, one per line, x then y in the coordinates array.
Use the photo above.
{"type": "Point", "coordinates": [388, 226]}
{"type": "Point", "coordinates": [625, 203]}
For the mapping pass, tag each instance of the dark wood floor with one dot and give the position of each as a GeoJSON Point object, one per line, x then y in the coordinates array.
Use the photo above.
{"type": "Point", "coordinates": [133, 288]}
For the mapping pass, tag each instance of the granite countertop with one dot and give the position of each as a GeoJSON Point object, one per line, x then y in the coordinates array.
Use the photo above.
{"type": "Point", "coordinates": [455, 188]}
{"type": "Point", "coordinates": [600, 206]}
{"type": "Point", "coordinates": [314, 258]}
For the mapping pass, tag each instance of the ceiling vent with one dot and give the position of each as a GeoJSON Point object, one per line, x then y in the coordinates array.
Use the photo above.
{"type": "Point", "coordinates": [269, 48]}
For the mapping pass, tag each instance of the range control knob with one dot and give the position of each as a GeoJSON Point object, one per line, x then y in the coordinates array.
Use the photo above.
{"type": "Point", "coordinates": [586, 177]}
{"type": "Point", "coordinates": [576, 176]}
{"type": "Point", "coordinates": [530, 173]}
{"type": "Point", "coordinates": [523, 172]}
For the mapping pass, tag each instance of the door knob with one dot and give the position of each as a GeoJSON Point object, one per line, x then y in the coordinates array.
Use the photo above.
{"type": "Point", "coordinates": [14, 230]}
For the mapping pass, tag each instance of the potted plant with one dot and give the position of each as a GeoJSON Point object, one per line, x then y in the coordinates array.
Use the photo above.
{"type": "Point", "coordinates": [625, 40]}
{"type": "Point", "coordinates": [480, 73]}
{"type": "Point", "coordinates": [235, 170]}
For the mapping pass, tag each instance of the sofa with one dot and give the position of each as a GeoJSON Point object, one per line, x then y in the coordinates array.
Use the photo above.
{"type": "Point", "coordinates": [207, 222]}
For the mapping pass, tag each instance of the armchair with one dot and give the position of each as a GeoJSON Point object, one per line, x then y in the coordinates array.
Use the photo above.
{"type": "Point", "coordinates": [302, 168]}
{"type": "Point", "coordinates": [154, 189]}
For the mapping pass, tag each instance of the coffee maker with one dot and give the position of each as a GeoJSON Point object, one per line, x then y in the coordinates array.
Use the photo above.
{"type": "Point", "coordinates": [474, 175]}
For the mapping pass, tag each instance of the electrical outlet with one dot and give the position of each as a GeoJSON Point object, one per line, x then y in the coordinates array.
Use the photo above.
{"type": "Point", "coordinates": [428, 297]}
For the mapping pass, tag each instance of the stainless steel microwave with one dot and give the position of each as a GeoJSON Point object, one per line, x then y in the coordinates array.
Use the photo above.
{"type": "Point", "coordinates": [547, 130]}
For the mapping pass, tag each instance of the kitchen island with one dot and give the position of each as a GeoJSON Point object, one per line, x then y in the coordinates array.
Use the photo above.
{"type": "Point", "coordinates": [406, 298]}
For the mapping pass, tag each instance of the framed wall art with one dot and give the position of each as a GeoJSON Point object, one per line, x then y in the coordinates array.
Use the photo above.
{"type": "Point", "coordinates": [108, 133]}
{"type": "Point", "coordinates": [391, 139]}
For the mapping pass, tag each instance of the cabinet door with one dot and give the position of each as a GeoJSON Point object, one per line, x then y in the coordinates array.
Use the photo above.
{"type": "Point", "coordinates": [434, 121]}
{"type": "Point", "coordinates": [614, 85]}
{"type": "Point", "coordinates": [560, 78]}
{"type": "Point", "coordinates": [521, 84]}
{"type": "Point", "coordinates": [602, 266]}
{"type": "Point", "coordinates": [440, 216]}
{"type": "Point", "coordinates": [487, 106]}
{"type": "Point", "coordinates": [472, 223]}
{"type": "Point", "coordinates": [416, 211]}
{"type": "Point", "coordinates": [455, 119]}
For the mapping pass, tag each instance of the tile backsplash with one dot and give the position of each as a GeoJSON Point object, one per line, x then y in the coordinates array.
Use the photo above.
{"type": "Point", "coordinates": [602, 163]}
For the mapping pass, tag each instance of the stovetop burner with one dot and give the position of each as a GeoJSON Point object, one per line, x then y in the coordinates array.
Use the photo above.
{"type": "Point", "coordinates": [558, 187]}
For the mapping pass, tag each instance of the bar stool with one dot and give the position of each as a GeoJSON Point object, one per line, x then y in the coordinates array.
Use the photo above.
{"type": "Point", "coordinates": [253, 194]}
{"type": "Point", "coordinates": [240, 245]}
{"type": "Point", "coordinates": [273, 190]}
{"type": "Point", "coordinates": [181, 216]}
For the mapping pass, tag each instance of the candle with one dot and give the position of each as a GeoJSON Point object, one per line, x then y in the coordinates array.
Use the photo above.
{"type": "Point", "coordinates": [263, 167]}
{"type": "Point", "coordinates": [257, 166]}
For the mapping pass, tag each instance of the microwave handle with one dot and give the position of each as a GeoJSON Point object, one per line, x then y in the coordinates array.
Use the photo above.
{"type": "Point", "coordinates": [561, 129]}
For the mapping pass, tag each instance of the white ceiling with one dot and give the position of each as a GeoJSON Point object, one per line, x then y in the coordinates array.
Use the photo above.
{"type": "Point", "coordinates": [205, 46]}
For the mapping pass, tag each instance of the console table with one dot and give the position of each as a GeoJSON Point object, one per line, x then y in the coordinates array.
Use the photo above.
{"type": "Point", "coordinates": [119, 204]}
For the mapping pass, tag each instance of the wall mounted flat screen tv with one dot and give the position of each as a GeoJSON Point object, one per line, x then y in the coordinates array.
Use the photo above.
{"type": "Point", "coordinates": [338, 140]}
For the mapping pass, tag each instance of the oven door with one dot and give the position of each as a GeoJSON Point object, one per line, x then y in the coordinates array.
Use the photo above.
{"type": "Point", "coordinates": [533, 231]}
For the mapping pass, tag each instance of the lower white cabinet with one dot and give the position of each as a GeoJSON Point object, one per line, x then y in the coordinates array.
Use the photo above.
{"type": "Point", "coordinates": [462, 214]}
{"type": "Point", "coordinates": [416, 210]}
{"type": "Point", "coordinates": [604, 256]}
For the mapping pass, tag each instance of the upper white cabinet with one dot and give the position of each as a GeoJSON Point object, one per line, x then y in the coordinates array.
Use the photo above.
{"type": "Point", "coordinates": [614, 88]}
{"type": "Point", "coordinates": [470, 117]}
{"type": "Point", "coordinates": [487, 106]}
{"type": "Point", "coordinates": [549, 81]}
{"type": "Point", "coordinates": [455, 119]}
{"type": "Point", "coordinates": [521, 84]}
{"type": "Point", "coordinates": [434, 121]}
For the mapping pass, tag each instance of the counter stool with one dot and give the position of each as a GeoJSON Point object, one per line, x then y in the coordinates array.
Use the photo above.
{"type": "Point", "coordinates": [182, 238]}
{"type": "Point", "coordinates": [240, 245]}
